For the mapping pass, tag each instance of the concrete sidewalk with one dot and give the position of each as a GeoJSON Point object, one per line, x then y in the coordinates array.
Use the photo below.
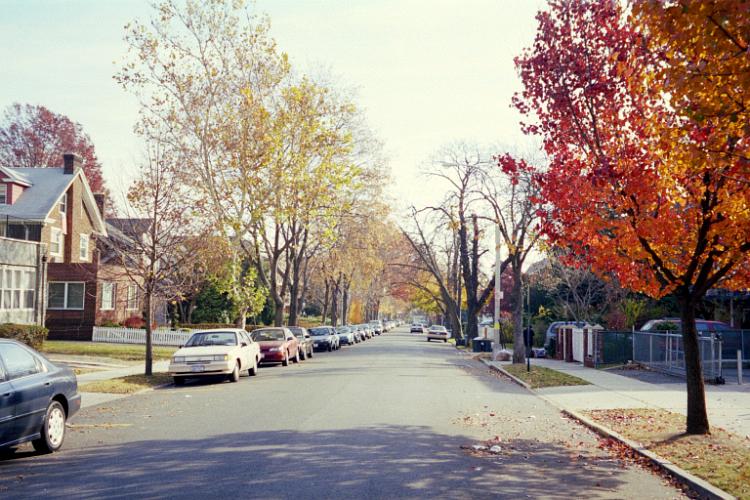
{"type": "Point", "coordinates": [728, 405]}
{"type": "Point", "coordinates": [109, 370]}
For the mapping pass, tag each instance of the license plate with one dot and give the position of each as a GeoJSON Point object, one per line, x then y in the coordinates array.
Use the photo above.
{"type": "Point", "coordinates": [198, 368]}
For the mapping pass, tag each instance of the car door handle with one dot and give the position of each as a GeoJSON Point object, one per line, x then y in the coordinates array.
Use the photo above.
{"type": "Point", "coordinates": [47, 384]}
{"type": "Point", "coordinates": [7, 394]}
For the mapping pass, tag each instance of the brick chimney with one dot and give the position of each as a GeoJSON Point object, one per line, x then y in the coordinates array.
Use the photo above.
{"type": "Point", "coordinates": [101, 201]}
{"type": "Point", "coordinates": [71, 163]}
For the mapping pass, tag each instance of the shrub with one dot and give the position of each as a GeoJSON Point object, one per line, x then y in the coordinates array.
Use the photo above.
{"type": "Point", "coordinates": [134, 322]}
{"type": "Point", "coordinates": [31, 335]}
{"type": "Point", "coordinates": [110, 324]}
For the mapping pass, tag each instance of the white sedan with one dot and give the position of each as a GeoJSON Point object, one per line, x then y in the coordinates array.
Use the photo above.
{"type": "Point", "coordinates": [227, 352]}
{"type": "Point", "coordinates": [437, 332]}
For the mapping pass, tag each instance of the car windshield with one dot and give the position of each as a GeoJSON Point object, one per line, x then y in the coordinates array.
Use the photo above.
{"type": "Point", "coordinates": [212, 338]}
{"type": "Point", "coordinates": [270, 334]}
{"type": "Point", "coordinates": [297, 330]}
{"type": "Point", "coordinates": [437, 328]}
{"type": "Point", "coordinates": [318, 332]}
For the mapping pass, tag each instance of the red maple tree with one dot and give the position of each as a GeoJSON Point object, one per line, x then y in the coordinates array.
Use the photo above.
{"type": "Point", "coordinates": [634, 186]}
{"type": "Point", "coordinates": [34, 136]}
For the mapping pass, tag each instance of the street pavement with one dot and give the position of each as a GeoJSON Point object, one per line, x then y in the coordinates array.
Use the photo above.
{"type": "Point", "coordinates": [395, 417]}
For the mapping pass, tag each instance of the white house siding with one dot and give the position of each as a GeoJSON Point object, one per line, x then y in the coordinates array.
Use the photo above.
{"type": "Point", "coordinates": [18, 255]}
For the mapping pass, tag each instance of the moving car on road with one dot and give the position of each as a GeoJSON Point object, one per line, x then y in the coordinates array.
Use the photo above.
{"type": "Point", "coordinates": [224, 352]}
{"type": "Point", "coordinates": [305, 341]}
{"type": "Point", "coordinates": [438, 332]}
{"type": "Point", "coordinates": [36, 398]}
{"type": "Point", "coordinates": [277, 345]}
{"type": "Point", "coordinates": [417, 328]}
{"type": "Point", "coordinates": [324, 338]}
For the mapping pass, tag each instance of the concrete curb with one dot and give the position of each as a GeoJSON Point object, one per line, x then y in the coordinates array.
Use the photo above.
{"type": "Point", "coordinates": [697, 484]}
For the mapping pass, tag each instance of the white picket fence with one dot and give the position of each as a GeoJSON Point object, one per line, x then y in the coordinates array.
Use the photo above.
{"type": "Point", "coordinates": [161, 336]}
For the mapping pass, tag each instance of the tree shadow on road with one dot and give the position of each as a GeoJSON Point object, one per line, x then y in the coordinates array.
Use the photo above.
{"type": "Point", "coordinates": [377, 462]}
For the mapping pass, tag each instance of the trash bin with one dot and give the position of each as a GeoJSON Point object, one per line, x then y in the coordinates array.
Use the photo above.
{"type": "Point", "coordinates": [482, 345]}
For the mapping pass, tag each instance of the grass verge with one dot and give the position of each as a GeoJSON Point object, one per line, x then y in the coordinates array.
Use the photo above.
{"type": "Point", "coordinates": [540, 377]}
{"type": "Point", "coordinates": [721, 458]}
{"type": "Point", "coordinates": [126, 385]}
{"type": "Point", "coordinates": [125, 352]}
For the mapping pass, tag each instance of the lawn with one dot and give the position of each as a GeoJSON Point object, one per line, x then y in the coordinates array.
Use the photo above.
{"type": "Point", "coordinates": [540, 377]}
{"type": "Point", "coordinates": [126, 385]}
{"type": "Point", "coordinates": [124, 352]}
{"type": "Point", "coordinates": [721, 458]}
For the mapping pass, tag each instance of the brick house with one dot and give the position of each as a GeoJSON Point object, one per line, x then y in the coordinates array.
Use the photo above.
{"type": "Point", "coordinates": [55, 206]}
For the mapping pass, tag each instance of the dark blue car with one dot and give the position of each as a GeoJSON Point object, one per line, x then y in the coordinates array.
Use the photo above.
{"type": "Point", "coordinates": [36, 398]}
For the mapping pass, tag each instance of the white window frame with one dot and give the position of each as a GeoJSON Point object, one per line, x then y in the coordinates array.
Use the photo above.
{"type": "Point", "coordinates": [132, 300]}
{"type": "Point", "coordinates": [63, 205]}
{"type": "Point", "coordinates": [17, 286]}
{"type": "Point", "coordinates": [110, 304]}
{"type": "Point", "coordinates": [5, 195]}
{"type": "Point", "coordinates": [83, 253]}
{"type": "Point", "coordinates": [56, 231]}
{"type": "Point", "coordinates": [65, 296]}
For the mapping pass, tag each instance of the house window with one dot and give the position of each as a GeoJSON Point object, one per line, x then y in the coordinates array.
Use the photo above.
{"type": "Point", "coordinates": [108, 296]}
{"type": "Point", "coordinates": [56, 243]}
{"type": "Point", "coordinates": [4, 194]}
{"type": "Point", "coordinates": [64, 203]}
{"type": "Point", "coordinates": [65, 295]}
{"type": "Point", "coordinates": [132, 297]}
{"type": "Point", "coordinates": [17, 288]}
{"type": "Point", "coordinates": [84, 247]}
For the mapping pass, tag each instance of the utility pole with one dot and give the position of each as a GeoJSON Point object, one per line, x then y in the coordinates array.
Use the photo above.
{"type": "Point", "coordinates": [498, 291]}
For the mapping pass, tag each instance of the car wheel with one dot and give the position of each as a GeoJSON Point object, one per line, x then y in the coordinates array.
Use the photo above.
{"type": "Point", "coordinates": [179, 380]}
{"type": "Point", "coordinates": [295, 359]}
{"type": "Point", "coordinates": [235, 376]}
{"type": "Point", "coordinates": [53, 429]}
{"type": "Point", "coordinates": [330, 348]}
{"type": "Point", "coordinates": [445, 340]}
{"type": "Point", "coordinates": [303, 355]}
{"type": "Point", "coordinates": [254, 370]}
{"type": "Point", "coordinates": [285, 362]}
{"type": "Point", "coordinates": [428, 340]}
{"type": "Point", "coordinates": [310, 354]}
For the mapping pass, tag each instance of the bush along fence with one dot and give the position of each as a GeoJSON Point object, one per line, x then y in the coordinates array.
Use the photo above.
{"type": "Point", "coordinates": [121, 335]}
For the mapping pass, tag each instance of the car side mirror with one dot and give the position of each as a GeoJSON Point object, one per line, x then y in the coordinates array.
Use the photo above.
{"type": "Point", "coordinates": [244, 344]}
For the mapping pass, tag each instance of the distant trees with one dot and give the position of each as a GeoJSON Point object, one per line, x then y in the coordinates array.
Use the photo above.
{"type": "Point", "coordinates": [34, 136]}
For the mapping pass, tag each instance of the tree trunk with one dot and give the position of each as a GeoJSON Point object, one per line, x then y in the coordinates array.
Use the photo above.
{"type": "Point", "coordinates": [335, 304]}
{"type": "Point", "coordinates": [345, 305]}
{"type": "Point", "coordinates": [147, 315]}
{"type": "Point", "coordinates": [697, 416]}
{"type": "Point", "coordinates": [278, 319]}
{"type": "Point", "coordinates": [325, 302]}
{"type": "Point", "coordinates": [519, 349]}
{"type": "Point", "coordinates": [241, 320]}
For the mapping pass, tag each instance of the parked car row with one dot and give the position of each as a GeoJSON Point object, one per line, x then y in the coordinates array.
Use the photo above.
{"type": "Point", "coordinates": [230, 352]}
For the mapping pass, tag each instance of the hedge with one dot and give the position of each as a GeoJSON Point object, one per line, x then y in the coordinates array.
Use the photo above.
{"type": "Point", "coordinates": [32, 335]}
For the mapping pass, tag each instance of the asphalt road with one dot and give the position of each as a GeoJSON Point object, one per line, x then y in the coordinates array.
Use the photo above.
{"type": "Point", "coordinates": [390, 418]}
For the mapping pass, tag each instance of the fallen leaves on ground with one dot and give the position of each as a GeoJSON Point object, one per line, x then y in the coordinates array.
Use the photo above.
{"type": "Point", "coordinates": [721, 458]}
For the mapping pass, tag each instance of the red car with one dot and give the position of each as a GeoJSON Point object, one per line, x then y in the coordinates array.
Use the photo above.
{"type": "Point", "coordinates": [277, 345]}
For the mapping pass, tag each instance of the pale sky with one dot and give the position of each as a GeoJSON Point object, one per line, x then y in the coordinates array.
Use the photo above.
{"type": "Point", "coordinates": [427, 72]}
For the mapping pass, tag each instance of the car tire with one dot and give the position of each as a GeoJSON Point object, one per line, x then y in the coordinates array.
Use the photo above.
{"type": "Point", "coordinates": [310, 354]}
{"type": "Point", "coordinates": [285, 361]}
{"type": "Point", "coordinates": [303, 355]}
{"type": "Point", "coordinates": [330, 348]}
{"type": "Point", "coordinates": [53, 429]}
{"type": "Point", "coordinates": [178, 381]}
{"type": "Point", "coordinates": [428, 340]}
{"type": "Point", "coordinates": [295, 359]}
{"type": "Point", "coordinates": [254, 370]}
{"type": "Point", "coordinates": [235, 375]}
{"type": "Point", "coordinates": [445, 341]}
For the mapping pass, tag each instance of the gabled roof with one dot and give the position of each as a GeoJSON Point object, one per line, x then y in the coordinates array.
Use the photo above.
{"type": "Point", "coordinates": [10, 175]}
{"type": "Point", "coordinates": [45, 188]}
